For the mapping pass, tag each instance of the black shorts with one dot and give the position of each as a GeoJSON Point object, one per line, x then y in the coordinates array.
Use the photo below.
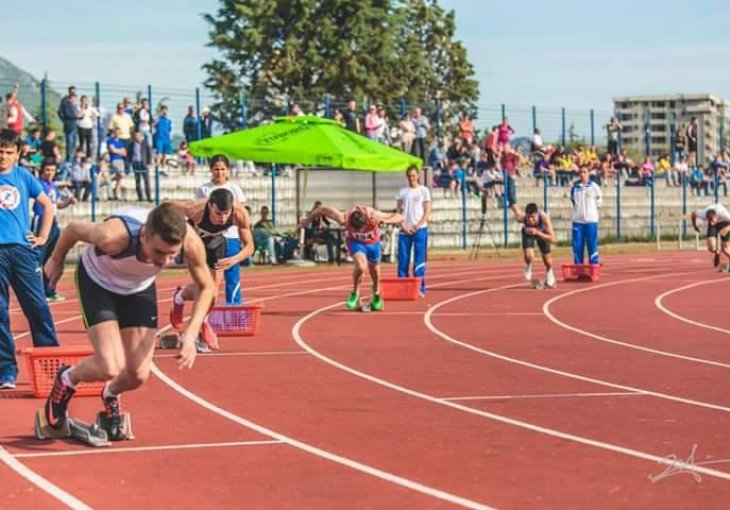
{"type": "Point", "coordinates": [215, 249]}
{"type": "Point", "coordinates": [100, 305]}
{"type": "Point", "coordinates": [714, 230]}
{"type": "Point", "coordinates": [529, 242]}
{"type": "Point", "coordinates": [692, 144]}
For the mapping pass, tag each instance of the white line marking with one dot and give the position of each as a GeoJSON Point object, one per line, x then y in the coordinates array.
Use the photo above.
{"type": "Point", "coordinates": [353, 464]}
{"type": "Point", "coordinates": [542, 368]}
{"type": "Point", "coordinates": [658, 303]}
{"type": "Point", "coordinates": [234, 354]}
{"type": "Point", "coordinates": [40, 482]}
{"type": "Point", "coordinates": [138, 449]}
{"type": "Point", "coordinates": [555, 320]}
{"type": "Point", "coordinates": [496, 417]}
{"type": "Point", "coordinates": [547, 395]}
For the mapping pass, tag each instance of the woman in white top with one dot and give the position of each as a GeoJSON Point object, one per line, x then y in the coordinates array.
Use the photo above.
{"type": "Point", "coordinates": [85, 125]}
{"type": "Point", "coordinates": [414, 203]}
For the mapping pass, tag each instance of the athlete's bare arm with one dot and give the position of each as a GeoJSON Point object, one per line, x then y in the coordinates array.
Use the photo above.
{"type": "Point", "coordinates": [519, 215]}
{"type": "Point", "coordinates": [205, 297]}
{"type": "Point", "coordinates": [110, 236]}
{"type": "Point", "coordinates": [382, 217]}
{"type": "Point", "coordinates": [548, 234]}
{"type": "Point", "coordinates": [324, 210]}
{"type": "Point", "coordinates": [242, 221]}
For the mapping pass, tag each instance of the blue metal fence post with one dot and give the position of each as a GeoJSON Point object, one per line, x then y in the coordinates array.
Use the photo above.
{"type": "Point", "coordinates": [273, 194]}
{"type": "Point", "coordinates": [244, 109]}
{"type": "Point", "coordinates": [327, 112]}
{"type": "Point", "coordinates": [545, 183]}
{"type": "Point", "coordinates": [647, 134]}
{"type": "Point", "coordinates": [717, 181]}
{"type": "Point", "coordinates": [99, 127]}
{"type": "Point", "coordinates": [505, 207]}
{"type": "Point", "coordinates": [197, 113]}
{"type": "Point", "coordinates": [94, 191]}
{"type": "Point", "coordinates": [593, 128]}
{"type": "Point", "coordinates": [534, 118]}
{"type": "Point", "coordinates": [562, 120]}
{"type": "Point", "coordinates": [672, 139]}
{"type": "Point", "coordinates": [618, 206]}
{"type": "Point", "coordinates": [44, 105]}
{"type": "Point", "coordinates": [157, 167]}
{"type": "Point", "coordinates": [684, 205]}
{"type": "Point", "coordinates": [438, 120]}
{"type": "Point", "coordinates": [652, 212]}
{"type": "Point", "coordinates": [463, 213]}
{"type": "Point", "coordinates": [403, 107]}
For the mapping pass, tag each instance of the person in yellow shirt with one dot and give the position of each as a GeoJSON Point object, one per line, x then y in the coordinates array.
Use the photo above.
{"type": "Point", "coordinates": [663, 170]}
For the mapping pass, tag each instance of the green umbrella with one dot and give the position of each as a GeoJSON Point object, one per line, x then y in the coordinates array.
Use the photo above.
{"type": "Point", "coordinates": [307, 140]}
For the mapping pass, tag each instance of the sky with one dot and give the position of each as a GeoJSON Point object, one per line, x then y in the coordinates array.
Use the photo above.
{"type": "Point", "coordinates": [573, 53]}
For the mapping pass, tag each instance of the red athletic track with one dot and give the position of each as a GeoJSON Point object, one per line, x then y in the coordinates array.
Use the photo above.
{"type": "Point", "coordinates": [485, 394]}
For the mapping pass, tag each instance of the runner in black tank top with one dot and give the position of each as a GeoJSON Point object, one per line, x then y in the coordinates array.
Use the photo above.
{"type": "Point", "coordinates": [536, 229]}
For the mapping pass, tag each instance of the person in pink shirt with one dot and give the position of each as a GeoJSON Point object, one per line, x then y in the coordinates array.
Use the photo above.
{"type": "Point", "coordinates": [372, 122]}
{"type": "Point", "coordinates": [647, 171]}
{"type": "Point", "coordinates": [504, 132]}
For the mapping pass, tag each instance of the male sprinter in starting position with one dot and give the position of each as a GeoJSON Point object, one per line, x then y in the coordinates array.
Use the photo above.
{"type": "Point", "coordinates": [116, 284]}
{"type": "Point", "coordinates": [536, 228]}
{"type": "Point", "coordinates": [212, 218]}
{"type": "Point", "coordinates": [362, 233]}
{"type": "Point", "coordinates": [718, 225]}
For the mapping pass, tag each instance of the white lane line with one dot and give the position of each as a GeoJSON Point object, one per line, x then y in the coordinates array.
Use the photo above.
{"type": "Point", "coordinates": [539, 396]}
{"type": "Point", "coordinates": [659, 304]}
{"type": "Point", "coordinates": [558, 322]}
{"type": "Point", "coordinates": [353, 464]}
{"type": "Point", "coordinates": [236, 354]}
{"type": "Point", "coordinates": [40, 482]}
{"type": "Point", "coordinates": [429, 324]}
{"type": "Point", "coordinates": [138, 449]}
{"type": "Point", "coordinates": [664, 461]}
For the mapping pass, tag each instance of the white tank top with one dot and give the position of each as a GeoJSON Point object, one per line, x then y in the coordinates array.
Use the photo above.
{"type": "Point", "coordinates": [122, 274]}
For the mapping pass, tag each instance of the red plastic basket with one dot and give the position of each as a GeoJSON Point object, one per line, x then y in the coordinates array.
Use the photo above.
{"type": "Point", "coordinates": [585, 272]}
{"type": "Point", "coordinates": [235, 320]}
{"type": "Point", "coordinates": [399, 289]}
{"type": "Point", "coordinates": [43, 364]}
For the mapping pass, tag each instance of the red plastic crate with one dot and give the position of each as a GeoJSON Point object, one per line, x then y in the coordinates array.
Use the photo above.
{"type": "Point", "coordinates": [235, 320]}
{"type": "Point", "coordinates": [584, 272]}
{"type": "Point", "coordinates": [43, 364]}
{"type": "Point", "coordinates": [399, 289]}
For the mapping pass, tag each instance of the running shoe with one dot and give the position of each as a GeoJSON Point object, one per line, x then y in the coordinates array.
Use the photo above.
{"type": "Point", "coordinates": [7, 382]}
{"type": "Point", "coordinates": [528, 272]}
{"type": "Point", "coordinates": [113, 418]}
{"type": "Point", "coordinates": [202, 348]}
{"type": "Point", "coordinates": [376, 305]}
{"type": "Point", "coordinates": [55, 296]}
{"type": "Point", "coordinates": [353, 301]}
{"type": "Point", "coordinates": [56, 408]}
{"type": "Point", "coordinates": [209, 336]}
{"type": "Point", "coordinates": [176, 311]}
{"type": "Point", "coordinates": [550, 280]}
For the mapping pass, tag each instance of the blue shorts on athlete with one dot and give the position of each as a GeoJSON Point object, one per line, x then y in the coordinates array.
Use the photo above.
{"type": "Point", "coordinates": [371, 251]}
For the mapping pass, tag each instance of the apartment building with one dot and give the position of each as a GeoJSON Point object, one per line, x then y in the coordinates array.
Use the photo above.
{"type": "Point", "coordinates": [648, 122]}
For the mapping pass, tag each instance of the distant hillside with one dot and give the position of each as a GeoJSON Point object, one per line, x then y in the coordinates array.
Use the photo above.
{"type": "Point", "coordinates": [30, 89]}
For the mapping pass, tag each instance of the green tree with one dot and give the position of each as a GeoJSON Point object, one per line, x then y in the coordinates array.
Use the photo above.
{"type": "Point", "coordinates": [278, 51]}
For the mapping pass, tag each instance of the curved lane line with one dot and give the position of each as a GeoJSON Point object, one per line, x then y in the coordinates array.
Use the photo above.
{"type": "Point", "coordinates": [658, 303]}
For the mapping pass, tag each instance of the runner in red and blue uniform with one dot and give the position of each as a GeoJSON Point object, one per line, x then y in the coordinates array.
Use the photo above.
{"type": "Point", "coordinates": [362, 234]}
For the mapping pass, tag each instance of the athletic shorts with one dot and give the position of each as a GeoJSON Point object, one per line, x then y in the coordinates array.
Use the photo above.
{"type": "Point", "coordinates": [215, 249]}
{"type": "Point", "coordinates": [100, 305]}
{"type": "Point", "coordinates": [529, 242]}
{"type": "Point", "coordinates": [714, 230]}
{"type": "Point", "coordinates": [371, 251]}
{"type": "Point", "coordinates": [163, 147]}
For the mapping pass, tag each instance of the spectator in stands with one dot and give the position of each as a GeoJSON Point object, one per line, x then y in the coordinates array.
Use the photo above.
{"type": "Point", "coordinates": [407, 133]}
{"type": "Point", "coordinates": [85, 126]}
{"type": "Point", "coordinates": [16, 112]}
{"type": "Point", "coordinates": [70, 115]}
{"type": "Point", "coordinates": [373, 122]}
{"type": "Point", "coordinates": [664, 170]}
{"type": "Point", "coordinates": [190, 125]}
{"type": "Point", "coordinates": [414, 203]}
{"type": "Point", "coordinates": [700, 180]}
{"type": "Point", "coordinates": [421, 125]}
{"type": "Point", "coordinates": [586, 198]}
{"type": "Point", "coordinates": [3, 114]}
{"type": "Point", "coordinates": [117, 150]}
{"type": "Point", "coordinates": [613, 133]}
{"type": "Point", "coordinates": [140, 160]}
{"type": "Point", "coordinates": [50, 188]}
{"type": "Point", "coordinates": [206, 123]}
{"type": "Point", "coordinates": [504, 133]}
{"type": "Point", "coordinates": [680, 143]}
{"type": "Point", "coordinates": [163, 136]}
{"type": "Point", "coordinates": [143, 121]}
{"type": "Point", "coordinates": [123, 124]}
{"type": "Point", "coordinates": [264, 234]}
{"type": "Point", "coordinates": [352, 121]}
{"type": "Point", "coordinates": [718, 173]}
{"type": "Point", "coordinates": [79, 176]}
{"type": "Point", "coordinates": [682, 169]}
{"type": "Point", "coordinates": [100, 118]}
{"type": "Point", "coordinates": [490, 145]}
{"type": "Point", "coordinates": [383, 130]}
{"type": "Point", "coordinates": [692, 135]}
{"type": "Point", "coordinates": [318, 231]}
{"type": "Point", "coordinates": [466, 129]}
{"type": "Point", "coordinates": [455, 150]}
{"type": "Point", "coordinates": [101, 172]}
{"type": "Point", "coordinates": [49, 149]}
{"type": "Point", "coordinates": [647, 172]}
{"type": "Point", "coordinates": [185, 159]}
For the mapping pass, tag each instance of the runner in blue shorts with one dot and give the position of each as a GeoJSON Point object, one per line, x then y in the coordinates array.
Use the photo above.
{"type": "Point", "coordinates": [362, 233]}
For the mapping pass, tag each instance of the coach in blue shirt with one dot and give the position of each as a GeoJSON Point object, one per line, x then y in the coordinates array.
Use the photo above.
{"type": "Point", "coordinates": [18, 258]}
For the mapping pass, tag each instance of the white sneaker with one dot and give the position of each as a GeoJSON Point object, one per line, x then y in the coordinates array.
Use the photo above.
{"type": "Point", "coordinates": [528, 272]}
{"type": "Point", "coordinates": [550, 280]}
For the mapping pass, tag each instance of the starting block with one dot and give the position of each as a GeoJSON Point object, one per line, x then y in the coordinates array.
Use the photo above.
{"type": "Point", "coordinates": [126, 426]}
{"type": "Point", "coordinates": [169, 341]}
{"type": "Point", "coordinates": [365, 306]}
{"type": "Point", "coordinates": [89, 434]}
{"type": "Point", "coordinates": [581, 272]}
{"type": "Point", "coordinates": [538, 284]}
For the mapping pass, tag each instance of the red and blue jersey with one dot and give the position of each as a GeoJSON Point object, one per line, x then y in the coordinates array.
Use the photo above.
{"type": "Point", "coordinates": [370, 234]}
